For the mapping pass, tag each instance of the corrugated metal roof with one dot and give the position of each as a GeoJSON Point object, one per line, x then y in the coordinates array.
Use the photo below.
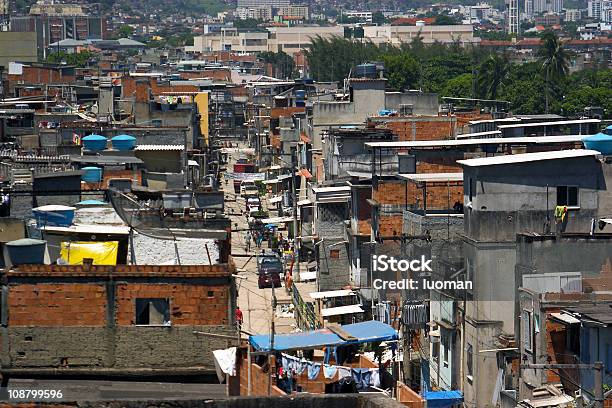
{"type": "Point", "coordinates": [156, 147]}
{"type": "Point", "coordinates": [476, 142]}
{"type": "Point", "coordinates": [432, 177]}
{"type": "Point", "coordinates": [341, 310]}
{"type": "Point", "coordinates": [559, 122]}
{"type": "Point", "coordinates": [528, 157]}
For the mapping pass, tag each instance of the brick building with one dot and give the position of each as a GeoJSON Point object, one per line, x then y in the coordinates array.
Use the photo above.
{"type": "Point", "coordinates": [115, 320]}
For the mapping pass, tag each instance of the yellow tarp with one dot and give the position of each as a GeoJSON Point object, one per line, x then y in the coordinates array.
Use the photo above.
{"type": "Point", "coordinates": [102, 253]}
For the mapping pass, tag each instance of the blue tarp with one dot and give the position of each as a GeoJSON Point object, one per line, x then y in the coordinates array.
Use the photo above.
{"type": "Point", "coordinates": [443, 399]}
{"type": "Point", "coordinates": [365, 332]}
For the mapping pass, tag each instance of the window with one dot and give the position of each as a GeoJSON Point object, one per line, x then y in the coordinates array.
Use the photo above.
{"type": "Point", "coordinates": [153, 312]}
{"type": "Point", "coordinates": [567, 195]}
{"type": "Point", "coordinates": [471, 188]}
{"type": "Point", "coordinates": [445, 344]}
{"type": "Point", "coordinates": [527, 325]}
{"type": "Point", "coordinates": [470, 361]}
{"type": "Point", "coordinates": [435, 350]}
{"type": "Point", "coordinates": [334, 253]}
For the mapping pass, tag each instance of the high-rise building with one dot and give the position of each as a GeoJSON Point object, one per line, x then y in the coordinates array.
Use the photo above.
{"type": "Point", "coordinates": [573, 15]}
{"type": "Point", "coordinates": [263, 3]}
{"type": "Point", "coordinates": [56, 22]}
{"type": "Point", "coordinates": [512, 12]}
{"type": "Point", "coordinates": [529, 8]}
{"type": "Point", "coordinates": [594, 9]}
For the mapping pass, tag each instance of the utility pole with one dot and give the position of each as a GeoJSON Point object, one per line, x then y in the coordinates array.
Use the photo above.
{"type": "Point", "coordinates": [294, 169]}
{"type": "Point", "coordinates": [597, 367]}
{"type": "Point", "coordinates": [272, 332]}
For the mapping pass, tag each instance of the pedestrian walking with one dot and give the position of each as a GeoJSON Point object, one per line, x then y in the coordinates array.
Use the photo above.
{"type": "Point", "coordinates": [247, 241]}
{"type": "Point", "coordinates": [239, 318]}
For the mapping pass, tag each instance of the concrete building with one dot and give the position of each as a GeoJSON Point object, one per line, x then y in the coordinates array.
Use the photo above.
{"type": "Point", "coordinates": [255, 13]}
{"type": "Point", "coordinates": [17, 47]}
{"type": "Point", "coordinates": [295, 11]}
{"type": "Point", "coordinates": [563, 306]}
{"type": "Point", "coordinates": [115, 320]}
{"type": "Point", "coordinates": [503, 196]}
{"type": "Point", "coordinates": [573, 15]}
{"type": "Point", "coordinates": [261, 3]}
{"type": "Point", "coordinates": [294, 39]}
{"type": "Point", "coordinates": [397, 35]}
{"type": "Point", "coordinates": [359, 15]}
{"type": "Point", "coordinates": [58, 22]}
{"type": "Point", "coordinates": [230, 39]}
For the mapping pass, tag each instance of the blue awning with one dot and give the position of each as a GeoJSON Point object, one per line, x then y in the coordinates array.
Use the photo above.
{"type": "Point", "coordinates": [443, 399]}
{"type": "Point", "coordinates": [365, 332]}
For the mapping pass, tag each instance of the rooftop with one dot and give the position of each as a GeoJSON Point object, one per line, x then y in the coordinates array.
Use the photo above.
{"type": "Point", "coordinates": [528, 157]}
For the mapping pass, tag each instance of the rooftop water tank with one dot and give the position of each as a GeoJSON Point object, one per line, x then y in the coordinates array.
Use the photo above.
{"type": "Point", "coordinates": [608, 130]}
{"type": "Point", "coordinates": [365, 71]}
{"type": "Point", "coordinates": [123, 142]}
{"type": "Point", "coordinates": [26, 251]}
{"type": "Point", "coordinates": [92, 174]}
{"type": "Point", "coordinates": [600, 142]}
{"type": "Point", "coordinates": [53, 215]}
{"type": "Point", "coordinates": [95, 142]}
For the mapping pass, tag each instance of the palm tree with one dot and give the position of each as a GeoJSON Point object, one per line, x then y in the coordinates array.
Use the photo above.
{"type": "Point", "coordinates": [555, 60]}
{"type": "Point", "coordinates": [492, 74]}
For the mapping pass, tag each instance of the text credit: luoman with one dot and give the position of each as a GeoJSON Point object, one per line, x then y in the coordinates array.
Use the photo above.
{"type": "Point", "coordinates": [383, 263]}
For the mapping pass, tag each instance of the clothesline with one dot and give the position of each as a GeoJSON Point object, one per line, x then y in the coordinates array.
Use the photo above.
{"type": "Point", "coordinates": [364, 377]}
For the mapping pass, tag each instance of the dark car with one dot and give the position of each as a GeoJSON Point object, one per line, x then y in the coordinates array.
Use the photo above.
{"type": "Point", "coordinates": [269, 269]}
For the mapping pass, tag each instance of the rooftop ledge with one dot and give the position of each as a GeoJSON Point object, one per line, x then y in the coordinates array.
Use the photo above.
{"type": "Point", "coordinates": [165, 271]}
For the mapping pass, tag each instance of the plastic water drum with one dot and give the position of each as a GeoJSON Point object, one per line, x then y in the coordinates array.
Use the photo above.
{"type": "Point", "coordinates": [600, 142]}
{"type": "Point", "coordinates": [54, 215]}
{"type": "Point", "coordinates": [26, 251]}
{"type": "Point", "coordinates": [95, 143]}
{"type": "Point", "coordinates": [123, 142]}
{"type": "Point", "coordinates": [91, 174]}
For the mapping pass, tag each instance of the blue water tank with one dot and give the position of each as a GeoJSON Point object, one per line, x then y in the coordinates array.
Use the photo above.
{"type": "Point", "coordinates": [53, 215]}
{"type": "Point", "coordinates": [600, 142]}
{"type": "Point", "coordinates": [92, 174]}
{"type": "Point", "coordinates": [26, 251]}
{"type": "Point", "coordinates": [123, 142]}
{"type": "Point", "coordinates": [95, 142]}
{"type": "Point", "coordinates": [365, 71]}
{"type": "Point", "coordinates": [608, 130]}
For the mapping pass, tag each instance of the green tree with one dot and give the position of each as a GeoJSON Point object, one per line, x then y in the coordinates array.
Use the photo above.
{"type": "Point", "coordinates": [79, 59]}
{"type": "Point", "coordinates": [283, 65]}
{"type": "Point", "coordinates": [459, 87]}
{"type": "Point", "coordinates": [125, 31]}
{"type": "Point", "coordinates": [378, 18]}
{"type": "Point", "coordinates": [491, 75]}
{"type": "Point", "coordinates": [402, 71]}
{"type": "Point", "coordinates": [578, 99]}
{"type": "Point", "coordinates": [555, 60]}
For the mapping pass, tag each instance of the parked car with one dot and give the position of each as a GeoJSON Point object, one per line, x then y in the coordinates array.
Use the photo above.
{"type": "Point", "coordinates": [269, 268]}
{"type": "Point", "coordinates": [248, 189]}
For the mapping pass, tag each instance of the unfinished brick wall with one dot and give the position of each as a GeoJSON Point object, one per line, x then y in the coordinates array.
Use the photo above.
{"type": "Point", "coordinates": [390, 192]}
{"type": "Point", "coordinates": [189, 304]}
{"type": "Point", "coordinates": [141, 89]}
{"type": "Point", "coordinates": [41, 75]}
{"type": "Point", "coordinates": [57, 304]}
{"type": "Point", "coordinates": [259, 379]}
{"type": "Point", "coordinates": [85, 316]}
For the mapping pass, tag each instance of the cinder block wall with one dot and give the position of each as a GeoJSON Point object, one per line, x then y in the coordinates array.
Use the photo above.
{"type": "Point", "coordinates": [78, 317]}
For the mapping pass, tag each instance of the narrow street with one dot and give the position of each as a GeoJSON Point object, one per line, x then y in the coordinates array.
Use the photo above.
{"type": "Point", "coordinates": [255, 303]}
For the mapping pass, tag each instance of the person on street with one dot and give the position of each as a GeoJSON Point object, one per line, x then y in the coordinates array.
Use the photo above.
{"type": "Point", "coordinates": [247, 241]}
{"type": "Point", "coordinates": [238, 318]}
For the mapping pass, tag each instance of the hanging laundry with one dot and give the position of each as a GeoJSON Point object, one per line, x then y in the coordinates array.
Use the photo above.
{"type": "Point", "coordinates": [362, 377]}
{"type": "Point", "coordinates": [415, 314]}
{"type": "Point", "coordinates": [344, 372]}
{"type": "Point", "coordinates": [329, 371]}
{"type": "Point", "coordinates": [375, 375]}
{"type": "Point", "coordinates": [560, 213]}
{"type": "Point", "coordinates": [313, 370]}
